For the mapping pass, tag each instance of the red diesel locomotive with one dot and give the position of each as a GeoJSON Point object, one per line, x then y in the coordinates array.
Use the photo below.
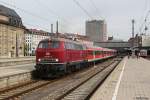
{"type": "Point", "coordinates": [62, 55]}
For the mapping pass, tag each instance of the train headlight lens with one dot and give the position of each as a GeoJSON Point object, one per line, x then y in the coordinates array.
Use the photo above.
{"type": "Point", "coordinates": [39, 59]}
{"type": "Point", "coordinates": [57, 60]}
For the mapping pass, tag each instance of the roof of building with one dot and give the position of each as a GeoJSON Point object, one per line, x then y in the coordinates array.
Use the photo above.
{"type": "Point", "coordinates": [38, 32]}
{"type": "Point", "coordinates": [8, 12]}
{"type": "Point", "coordinates": [13, 18]}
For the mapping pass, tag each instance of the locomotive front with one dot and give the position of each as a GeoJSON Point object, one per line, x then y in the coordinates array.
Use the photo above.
{"type": "Point", "coordinates": [50, 56]}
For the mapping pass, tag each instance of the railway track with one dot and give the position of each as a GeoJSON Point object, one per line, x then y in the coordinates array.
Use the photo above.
{"type": "Point", "coordinates": [56, 90]}
{"type": "Point", "coordinates": [15, 92]}
{"type": "Point", "coordinates": [82, 89]}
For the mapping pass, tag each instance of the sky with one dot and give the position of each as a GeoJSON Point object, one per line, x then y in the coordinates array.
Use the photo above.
{"type": "Point", "coordinates": [40, 14]}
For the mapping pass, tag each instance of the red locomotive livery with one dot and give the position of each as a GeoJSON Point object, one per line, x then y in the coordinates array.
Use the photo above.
{"type": "Point", "coordinates": [62, 55]}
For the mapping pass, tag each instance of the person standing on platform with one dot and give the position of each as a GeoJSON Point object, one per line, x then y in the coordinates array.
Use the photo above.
{"type": "Point", "coordinates": [137, 53]}
{"type": "Point", "coordinates": [129, 53]}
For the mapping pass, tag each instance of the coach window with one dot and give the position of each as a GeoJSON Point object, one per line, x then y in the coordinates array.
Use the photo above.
{"type": "Point", "coordinates": [84, 47]}
{"type": "Point", "coordinates": [96, 52]}
{"type": "Point", "coordinates": [81, 47]}
{"type": "Point", "coordinates": [78, 47]}
{"type": "Point", "coordinates": [75, 46]}
{"type": "Point", "coordinates": [102, 52]}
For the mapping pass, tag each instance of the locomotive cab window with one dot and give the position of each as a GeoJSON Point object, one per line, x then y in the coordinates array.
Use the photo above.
{"type": "Point", "coordinates": [54, 44]}
{"type": "Point", "coordinates": [49, 44]}
{"type": "Point", "coordinates": [43, 44]}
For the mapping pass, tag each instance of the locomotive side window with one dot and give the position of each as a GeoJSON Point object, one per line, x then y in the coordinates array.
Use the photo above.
{"type": "Point", "coordinates": [70, 45]}
{"type": "Point", "coordinates": [78, 47]}
{"type": "Point", "coordinates": [84, 47]}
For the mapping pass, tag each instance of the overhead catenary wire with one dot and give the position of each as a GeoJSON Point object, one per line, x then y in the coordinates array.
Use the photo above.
{"type": "Point", "coordinates": [27, 12]}
{"type": "Point", "coordinates": [142, 23]}
{"type": "Point", "coordinates": [93, 4]}
{"type": "Point", "coordinates": [83, 9]}
{"type": "Point", "coordinates": [141, 29]}
{"type": "Point", "coordinates": [52, 12]}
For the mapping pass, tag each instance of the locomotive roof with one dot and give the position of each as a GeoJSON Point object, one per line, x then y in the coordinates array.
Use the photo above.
{"type": "Point", "coordinates": [61, 39]}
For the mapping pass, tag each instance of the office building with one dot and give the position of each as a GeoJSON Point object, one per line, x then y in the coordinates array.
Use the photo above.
{"type": "Point", "coordinates": [96, 30]}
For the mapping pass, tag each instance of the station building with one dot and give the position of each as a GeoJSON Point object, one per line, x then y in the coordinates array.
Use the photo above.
{"type": "Point", "coordinates": [11, 33]}
{"type": "Point", "coordinates": [145, 41]}
{"type": "Point", "coordinates": [32, 38]}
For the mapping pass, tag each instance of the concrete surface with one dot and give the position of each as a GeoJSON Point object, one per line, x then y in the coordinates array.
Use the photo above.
{"type": "Point", "coordinates": [129, 81]}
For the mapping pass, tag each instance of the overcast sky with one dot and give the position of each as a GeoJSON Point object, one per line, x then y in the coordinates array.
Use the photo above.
{"type": "Point", "coordinates": [117, 13]}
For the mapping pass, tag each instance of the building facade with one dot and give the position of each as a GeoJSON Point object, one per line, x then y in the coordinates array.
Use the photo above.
{"type": "Point", "coordinates": [96, 30]}
{"type": "Point", "coordinates": [32, 39]}
{"type": "Point", "coordinates": [145, 41]}
{"type": "Point", "coordinates": [11, 33]}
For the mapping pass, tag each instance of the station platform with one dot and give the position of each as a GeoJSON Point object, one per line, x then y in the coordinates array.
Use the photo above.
{"type": "Point", "coordinates": [129, 81]}
{"type": "Point", "coordinates": [4, 62]}
{"type": "Point", "coordinates": [17, 59]}
{"type": "Point", "coordinates": [15, 74]}
{"type": "Point", "coordinates": [16, 69]}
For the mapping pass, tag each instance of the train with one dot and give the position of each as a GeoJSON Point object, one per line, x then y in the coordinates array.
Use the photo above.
{"type": "Point", "coordinates": [58, 55]}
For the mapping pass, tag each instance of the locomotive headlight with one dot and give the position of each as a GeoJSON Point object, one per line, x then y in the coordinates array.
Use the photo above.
{"type": "Point", "coordinates": [56, 60]}
{"type": "Point", "coordinates": [39, 59]}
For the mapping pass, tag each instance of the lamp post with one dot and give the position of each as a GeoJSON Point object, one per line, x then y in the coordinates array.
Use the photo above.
{"type": "Point", "coordinates": [133, 21]}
